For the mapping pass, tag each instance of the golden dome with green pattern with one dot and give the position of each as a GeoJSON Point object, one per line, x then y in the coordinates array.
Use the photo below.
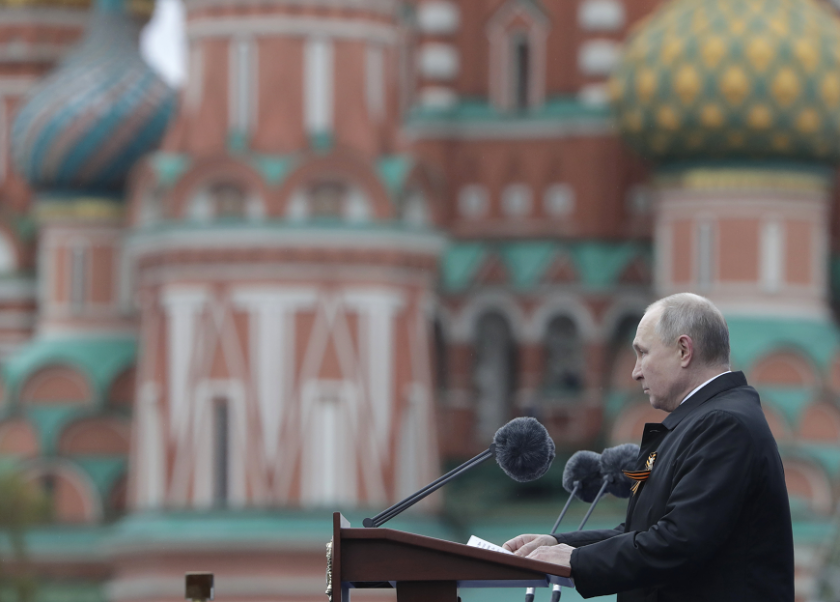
{"type": "Point", "coordinates": [732, 79]}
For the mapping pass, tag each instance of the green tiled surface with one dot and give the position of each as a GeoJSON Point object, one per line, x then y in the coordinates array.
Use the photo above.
{"type": "Point", "coordinates": [753, 338]}
{"type": "Point", "coordinates": [598, 264]}
{"type": "Point", "coordinates": [99, 359]}
{"type": "Point", "coordinates": [393, 170]}
{"type": "Point", "coordinates": [479, 110]}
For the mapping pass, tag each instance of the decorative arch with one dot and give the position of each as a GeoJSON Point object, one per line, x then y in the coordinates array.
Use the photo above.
{"type": "Point", "coordinates": [820, 422]}
{"type": "Point", "coordinates": [630, 423]}
{"type": "Point", "coordinates": [494, 371]}
{"type": "Point", "coordinates": [777, 423]}
{"type": "Point", "coordinates": [340, 166]}
{"type": "Point", "coordinates": [72, 494]}
{"type": "Point", "coordinates": [517, 34]}
{"type": "Point", "coordinates": [56, 384]}
{"type": "Point", "coordinates": [121, 392]}
{"type": "Point", "coordinates": [224, 170]}
{"type": "Point", "coordinates": [784, 369]}
{"type": "Point", "coordinates": [18, 438]}
{"type": "Point", "coordinates": [95, 437]}
{"type": "Point", "coordinates": [566, 305]}
{"type": "Point", "coordinates": [807, 481]}
{"type": "Point", "coordinates": [563, 366]}
{"type": "Point", "coordinates": [623, 309]}
{"type": "Point", "coordinates": [421, 178]}
{"type": "Point", "coordinates": [464, 322]}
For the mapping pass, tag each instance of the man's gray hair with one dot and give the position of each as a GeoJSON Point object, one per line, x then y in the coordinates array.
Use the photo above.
{"type": "Point", "coordinates": [697, 317]}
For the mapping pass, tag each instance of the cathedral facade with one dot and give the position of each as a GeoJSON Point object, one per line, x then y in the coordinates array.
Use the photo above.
{"type": "Point", "coordinates": [366, 234]}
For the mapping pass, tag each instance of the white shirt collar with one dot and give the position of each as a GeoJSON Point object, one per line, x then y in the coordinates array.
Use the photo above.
{"type": "Point", "coordinates": [703, 385]}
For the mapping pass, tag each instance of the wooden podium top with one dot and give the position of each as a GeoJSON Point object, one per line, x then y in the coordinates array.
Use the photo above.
{"type": "Point", "coordinates": [376, 556]}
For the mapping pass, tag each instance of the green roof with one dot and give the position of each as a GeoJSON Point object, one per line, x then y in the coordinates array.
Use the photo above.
{"type": "Point", "coordinates": [790, 401]}
{"type": "Point", "coordinates": [599, 264]}
{"type": "Point", "coordinates": [61, 590]}
{"type": "Point", "coordinates": [103, 471]}
{"type": "Point", "coordinates": [393, 170]}
{"type": "Point", "coordinates": [826, 455]}
{"type": "Point", "coordinates": [77, 542]}
{"type": "Point", "coordinates": [479, 109]}
{"type": "Point", "coordinates": [49, 421]}
{"type": "Point", "coordinates": [459, 264]}
{"type": "Point", "coordinates": [99, 359]}
{"type": "Point", "coordinates": [527, 261]}
{"type": "Point", "coordinates": [274, 169]}
{"type": "Point", "coordinates": [169, 166]}
{"type": "Point", "coordinates": [753, 338]}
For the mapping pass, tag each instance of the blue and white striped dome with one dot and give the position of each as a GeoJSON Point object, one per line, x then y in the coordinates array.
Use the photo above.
{"type": "Point", "coordinates": [83, 127]}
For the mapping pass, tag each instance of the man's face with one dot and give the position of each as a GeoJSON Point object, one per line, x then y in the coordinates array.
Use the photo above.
{"type": "Point", "coordinates": [658, 368]}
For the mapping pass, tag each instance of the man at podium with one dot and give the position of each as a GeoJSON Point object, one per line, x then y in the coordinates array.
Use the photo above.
{"type": "Point", "coordinates": [709, 519]}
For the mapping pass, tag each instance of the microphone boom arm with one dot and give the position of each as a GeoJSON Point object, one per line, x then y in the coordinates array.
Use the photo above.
{"type": "Point", "coordinates": [595, 503]}
{"type": "Point", "coordinates": [566, 507]}
{"type": "Point", "coordinates": [408, 502]}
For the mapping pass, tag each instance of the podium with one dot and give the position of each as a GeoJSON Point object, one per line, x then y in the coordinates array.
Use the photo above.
{"type": "Point", "coordinates": [423, 569]}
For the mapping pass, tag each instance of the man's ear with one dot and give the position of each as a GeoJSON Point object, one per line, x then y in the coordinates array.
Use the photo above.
{"type": "Point", "coordinates": [685, 347]}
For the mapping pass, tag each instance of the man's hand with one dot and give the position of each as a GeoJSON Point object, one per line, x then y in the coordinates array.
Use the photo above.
{"type": "Point", "coordinates": [557, 554]}
{"type": "Point", "coordinates": [525, 544]}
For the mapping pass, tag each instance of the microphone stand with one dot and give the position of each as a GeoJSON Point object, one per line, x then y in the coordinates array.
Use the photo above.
{"type": "Point", "coordinates": [408, 502]}
{"type": "Point", "coordinates": [598, 497]}
{"type": "Point", "coordinates": [529, 592]}
{"type": "Point", "coordinates": [566, 507]}
{"type": "Point", "coordinates": [555, 590]}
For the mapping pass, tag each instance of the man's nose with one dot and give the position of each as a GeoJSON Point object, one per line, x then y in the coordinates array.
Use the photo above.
{"type": "Point", "coordinates": [637, 371]}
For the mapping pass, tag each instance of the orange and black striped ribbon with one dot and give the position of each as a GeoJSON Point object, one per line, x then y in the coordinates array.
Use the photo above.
{"type": "Point", "coordinates": [640, 476]}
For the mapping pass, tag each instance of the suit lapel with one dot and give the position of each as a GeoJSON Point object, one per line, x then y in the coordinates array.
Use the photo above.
{"type": "Point", "coordinates": [652, 436]}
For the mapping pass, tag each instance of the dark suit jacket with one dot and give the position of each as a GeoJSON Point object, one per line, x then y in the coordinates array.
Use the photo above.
{"type": "Point", "coordinates": [712, 522]}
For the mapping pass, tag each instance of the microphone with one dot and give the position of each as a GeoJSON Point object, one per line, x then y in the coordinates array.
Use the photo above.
{"type": "Point", "coordinates": [611, 462]}
{"type": "Point", "coordinates": [582, 479]}
{"type": "Point", "coordinates": [522, 448]}
{"type": "Point", "coordinates": [614, 461]}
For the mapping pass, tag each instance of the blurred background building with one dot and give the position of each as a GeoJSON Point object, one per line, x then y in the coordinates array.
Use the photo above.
{"type": "Point", "coordinates": [367, 233]}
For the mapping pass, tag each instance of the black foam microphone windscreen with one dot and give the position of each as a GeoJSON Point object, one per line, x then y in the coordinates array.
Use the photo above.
{"type": "Point", "coordinates": [524, 449]}
{"type": "Point", "coordinates": [614, 460]}
{"type": "Point", "coordinates": [583, 467]}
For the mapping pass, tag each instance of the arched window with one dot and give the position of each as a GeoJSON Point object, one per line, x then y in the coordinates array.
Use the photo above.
{"type": "Point", "coordinates": [221, 452]}
{"type": "Point", "coordinates": [517, 34]}
{"type": "Point", "coordinates": [440, 360]}
{"type": "Point", "coordinates": [331, 200]}
{"type": "Point", "coordinates": [494, 373]}
{"type": "Point", "coordinates": [563, 369]}
{"type": "Point", "coordinates": [327, 200]}
{"type": "Point", "coordinates": [227, 201]}
{"type": "Point", "coordinates": [414, 208]}
{"type": "Point", "coordinates": [520, 69]}
{"type": "Point", "coordinates": [79, 269]}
